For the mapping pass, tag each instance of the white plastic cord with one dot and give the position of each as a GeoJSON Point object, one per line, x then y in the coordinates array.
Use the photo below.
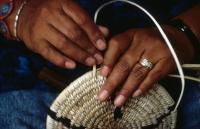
{"type": "Point", "coordinates": [180, 70]}
{"type": "Point", "coordinates": [191, 66]}
{"type": "Point", "coordinates": [186, 77]}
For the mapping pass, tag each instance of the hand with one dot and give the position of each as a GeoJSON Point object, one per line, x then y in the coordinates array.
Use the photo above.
{"type": "Point", "coordinates": [126, 76]}
{"type": "Point", "coordinates": [61, 32]}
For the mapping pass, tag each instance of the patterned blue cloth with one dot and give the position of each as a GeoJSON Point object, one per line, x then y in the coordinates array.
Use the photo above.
{"type": "Point", "coordinates": [25, 99]}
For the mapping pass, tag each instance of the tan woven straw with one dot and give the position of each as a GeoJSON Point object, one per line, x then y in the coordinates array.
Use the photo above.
{"type": "Point", "coordinates": [77, 107]}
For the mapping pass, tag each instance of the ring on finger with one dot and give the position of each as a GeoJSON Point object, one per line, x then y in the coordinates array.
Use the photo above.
{"type": "Point", "coordinates": [146, 63]}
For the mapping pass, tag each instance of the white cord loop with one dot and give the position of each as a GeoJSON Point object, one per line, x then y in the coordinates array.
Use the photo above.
{"type": "Point", "coordinates": [78, 102]}
{"type": "Point", "coordinates": [178, 64]}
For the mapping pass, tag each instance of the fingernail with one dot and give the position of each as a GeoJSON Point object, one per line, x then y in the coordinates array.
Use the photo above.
{"type": "Point", "coordinates": [137, 93]}
{"type": "Point", "coordinates": [70, 65]}
{"type": "Point", "coordinates": [119, 101]}
{"type": "Point", "coordinates": [105, 71]}
{"type": "Point", "coordinates": [90, 61]}
{"type": "Point", "coordinates": [99, 58]}
{"type": "Point", "coordinates": [101, 44]}
{"type": "Point", "coordinates": [103, 95]}
{"type": "Point", "coordinates": [104, 30]}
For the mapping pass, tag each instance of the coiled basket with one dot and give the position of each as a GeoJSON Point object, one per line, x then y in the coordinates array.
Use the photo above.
{"type": "Point", "coordinates": [77, 107]}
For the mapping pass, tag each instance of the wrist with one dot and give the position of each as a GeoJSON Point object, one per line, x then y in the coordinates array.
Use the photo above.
{"type": "Point", "coordinates": [186, 30]}
{"type": "Point", "coordinates": [181, 43]}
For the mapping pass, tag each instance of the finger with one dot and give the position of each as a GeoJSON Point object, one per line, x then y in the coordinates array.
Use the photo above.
{"type": "Point", "coordinates": [119, 74]}
{"type": "Point", "coordinates": [68, 48]}
{"type": "Point", "coordinates": [104, 30]}
{"type": "Point", "coordinates": [136, 76]}
{"type": "Point", "coordinates": [70, 29]}
{"type": "Point", "coordinates": [154, 75]}
{"type": "Point", "coordinates": [117, 45]}
{"type": "Point", "coordinates": [51, 54]}
{"type": "Point", "coordinates": [114, 80]}
{"type": "Point", "coordinates": [73, 10]}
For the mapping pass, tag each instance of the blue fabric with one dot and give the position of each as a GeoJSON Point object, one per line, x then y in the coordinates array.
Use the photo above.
{"type": "Point", "coordinates": [189, 111]}
{"type": "Point", "coordinates": [25, 99]}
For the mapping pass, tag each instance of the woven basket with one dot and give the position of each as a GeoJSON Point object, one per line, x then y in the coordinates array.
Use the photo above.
{"type": "Point", "coordinates": [77, 107]}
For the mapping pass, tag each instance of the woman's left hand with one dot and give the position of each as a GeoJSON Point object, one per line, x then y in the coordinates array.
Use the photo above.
{"type": "Point", "coordinates": [126, 75]}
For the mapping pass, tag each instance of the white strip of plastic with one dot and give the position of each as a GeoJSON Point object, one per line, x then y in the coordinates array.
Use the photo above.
{"type": "Point", "coordinates": [178, 64]}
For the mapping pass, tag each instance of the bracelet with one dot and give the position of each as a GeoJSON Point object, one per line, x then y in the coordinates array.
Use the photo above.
{"type": "Point", "coordinates": [17, 19]}
{"type": "Point", "coordinates": [179, 24]}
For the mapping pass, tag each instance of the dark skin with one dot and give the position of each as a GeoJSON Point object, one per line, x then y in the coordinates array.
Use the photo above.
{"type": "Point", "coordinates": [60, 31]}
{"type": "Point", "coordinates": [121, 66]}
{"type": "Point", "coordinates": [63, 33]}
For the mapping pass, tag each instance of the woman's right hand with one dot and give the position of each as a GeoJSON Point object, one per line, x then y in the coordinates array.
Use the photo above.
{"type": "Point", "coordinates": [62, 32]}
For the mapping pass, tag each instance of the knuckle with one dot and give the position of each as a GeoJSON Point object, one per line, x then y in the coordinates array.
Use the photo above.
{"type": "Point", "coordinates": [157, 73]}
{"type": "Point", "coordinates": [61, 43]}
{"type": "Point", "coordinates": [109, 85]}
{"type": "Point", "coordinates": [114, 42]}
{"type": "Point", "coordinates": [84, 20]}
{"type": "Point", "coordinates": [123, 66]}
{"type": "Point", "coordinates": [137, 57]}
{"type": "Point", "coordinates": [129, 57]}
{"type": "Point", "coordinates": [61, 39]}
{"type": "Point", "coordinates": [31, 38]}
{"type": "Point", "coordinates": [140, 36]}
{"type": "Point", "coordinates": [34, 37]}
{"type": "Point", "coordinates": [34, 45]}
{"type": "Point", "coordinates": [33, 29]}
{"type": "Point", "coordinates": [138, 73]}
{"type": "Point", "coordinates": [44, 11]}
{"type": "Point", "coordinates": [165, 53]}
{"type": "Point", "coordinates": [45, 51]}
{"type": "Point", "coordinates": [58, 12]}
{"type": "Point", "coordinates": [114, 45]}
{"type": "Point", "coordinates": [157, 41]}
{"type": "Point", "coordinates": [77, 35]}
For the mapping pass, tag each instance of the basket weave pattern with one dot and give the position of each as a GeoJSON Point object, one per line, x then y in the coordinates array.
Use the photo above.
{"type": "Point", "coordinates": [79, 103]}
